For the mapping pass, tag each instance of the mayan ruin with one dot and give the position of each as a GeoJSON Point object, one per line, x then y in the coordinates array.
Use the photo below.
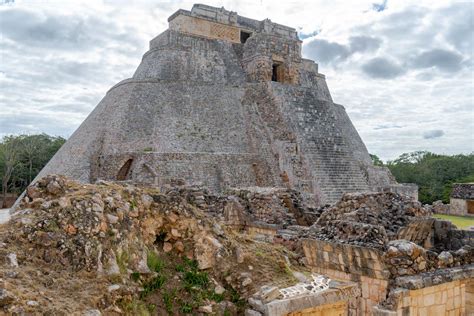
{"type": "Point", "coordinates": [222, 179]}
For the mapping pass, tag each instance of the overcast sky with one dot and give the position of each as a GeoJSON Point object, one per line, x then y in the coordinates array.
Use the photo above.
{"type": "Point", "coordinates": [404, 70]}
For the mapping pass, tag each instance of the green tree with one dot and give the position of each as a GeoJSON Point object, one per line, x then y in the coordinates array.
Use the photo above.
{"type": "Point", "coordinates": [376, 160]}
{"type": "Point", "coordinates": [9, 160]}
{"type": "Point", "coordinates": [433, 173]}
{"type": "Point", "coordinates": [23, 156]}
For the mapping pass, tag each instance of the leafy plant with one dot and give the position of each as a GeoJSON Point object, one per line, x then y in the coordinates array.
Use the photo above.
{"type": "Point", "coordinates": [154, 262]}
{"type": "Point", "coordinates": [168, 298]}
{"type": "Point", "coordinates": [195, 278]}
{"type": "Point", "coordinates": [135, 276]}
{"type": "Point", "coordinates": [186, 308]}
{"type": "Point", "coordinates": [153, 285]}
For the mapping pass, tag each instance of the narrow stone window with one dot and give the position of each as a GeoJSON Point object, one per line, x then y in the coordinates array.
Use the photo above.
{"type": "Point", "coordinates": [244, 36]}
{"type": "Point", "coordinates": [125, 170]}
{"type": "Point", "coordinates": [276, 69]}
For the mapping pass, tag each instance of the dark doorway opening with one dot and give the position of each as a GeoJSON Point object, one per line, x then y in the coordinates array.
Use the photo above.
{"type": "Point", "coordinates": [124, 171]}
{"type": "Point", "coordinates": [470, 206]}
{"type": "Point", "coordinates": [244, 36]}
{"type": "Point", "coordinates": [276, 69]}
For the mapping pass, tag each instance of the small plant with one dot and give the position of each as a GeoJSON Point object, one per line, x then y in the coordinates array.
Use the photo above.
{"type": "Point", "coordinates": [154, 262]}
{"type": "Point", "coordinates": [193, 264]}
{"type": "Point", "coordinates": [153, 285]}
{"type": "Point", "coordinates": [137, 307]}
{"type": "Point", "coordinates": [236, 299]}
{"type": "Point", "coordinates": [215, 297]}
{"type": "Point", "coordinates": [147, 149]}
{"type": "Point", "coordinates": [168, 298]}
{"type": "Point", "coordinates": [180, 268]}
{"type": "Point", "coordinates": [195, 278]}
{"type": "Point", "coordinates": [122, 261]}
{"type": "Point", "coordinates": [135, 276]}
{"type": "Point", "coordinates": [186, 308]}
{"type": "Point", "coordinates": [133, 204]}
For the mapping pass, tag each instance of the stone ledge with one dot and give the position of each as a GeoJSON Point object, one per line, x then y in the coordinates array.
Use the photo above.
{"type": "Point", "coordinates": [427, 279]}
{"type": "Point", "coordinates": [339, 291]}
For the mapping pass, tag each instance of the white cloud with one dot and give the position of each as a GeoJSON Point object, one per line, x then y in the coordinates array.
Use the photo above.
{"type": "Point", "coordinates": [400, 70]}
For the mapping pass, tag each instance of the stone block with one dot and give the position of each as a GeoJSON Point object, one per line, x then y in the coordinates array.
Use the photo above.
{"type": "Point", "coordinates": [429, 300]}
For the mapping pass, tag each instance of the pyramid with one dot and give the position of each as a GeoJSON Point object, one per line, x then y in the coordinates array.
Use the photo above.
{"type": "Point", "coordinates": [224, 101]}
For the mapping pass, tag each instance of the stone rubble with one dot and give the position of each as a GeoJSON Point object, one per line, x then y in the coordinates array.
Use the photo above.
{"type": "Point", "coordinates": [369, 219]}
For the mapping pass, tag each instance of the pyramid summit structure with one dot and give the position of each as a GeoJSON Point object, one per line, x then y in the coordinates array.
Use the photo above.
{"type": "Point", "coordinates": [224, 101]}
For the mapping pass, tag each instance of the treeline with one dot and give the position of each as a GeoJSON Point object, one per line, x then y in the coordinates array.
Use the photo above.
{"type": "Point", "coordinates": [433, 173]}
{"type": "Point", "coordinates": [22, 157]}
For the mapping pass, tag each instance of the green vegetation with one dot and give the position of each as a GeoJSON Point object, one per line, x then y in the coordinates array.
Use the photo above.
{"type": "Point", "coordinates": [154, 262]}
{"type": "Point", "coordinates": [433, 173]}
{"type": "Point", "coordinates": [22, 157]}
{"type": "Point", "coordinates": [176, 287]}
{"type": "Point", "coordinates": [153, 285]}
{"type": "Point", "coordinates": [461, 222]}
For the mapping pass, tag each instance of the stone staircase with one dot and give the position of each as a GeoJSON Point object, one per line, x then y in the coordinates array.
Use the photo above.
{"type": "Point", "coordinates": [326, 155]}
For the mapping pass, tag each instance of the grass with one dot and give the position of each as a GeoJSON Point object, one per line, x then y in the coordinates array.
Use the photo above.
{"type": "Point", "coordinates": [153, 285]}
{"type": "Point", "coordinates": [461, 222]}
{"type": "Point", "coordinates": [154, 262]}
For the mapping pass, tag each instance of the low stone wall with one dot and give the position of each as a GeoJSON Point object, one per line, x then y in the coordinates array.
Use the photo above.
{"type": "Point", "coordinates": [351, 263]}
{"type": "Point", "coordinates": [419, 232]}
{"type": "Point", "coordinates": [335, 309]}
{"type": "Point", "coordinates": [442, 292]}
{"type": "Point", "coordinates": [406, 189]}
{"type": "Point", "coordinates": [470, 295]}
{"type": "Point", "coordinates": [444, 299]}
{"type": "Point", "coordinates": [356, 260]}
{"type": "Point", "coordinates": [339, 299]}
{"type": "Point", "coordinates": [459, 207]}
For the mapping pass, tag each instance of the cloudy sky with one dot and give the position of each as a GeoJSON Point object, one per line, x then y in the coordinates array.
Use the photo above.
{"type": "Point", "coordinates": [404, 70]}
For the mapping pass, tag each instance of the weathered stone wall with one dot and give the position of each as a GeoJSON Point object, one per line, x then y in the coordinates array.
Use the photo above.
{"type": "Point", "coordinates": [463, 191]}
{"type": "Point", "coordinates": [459, 207]}
{"type": "Point", "coordinates": [335, 309]}
{"type": "Point", "coordinates": [340, 299]}
{"type": "Point", "coordinates": [196, 26]}
{"type": "Point", "coordinates": [444, 299]}
{"type": "Point", "coordinates": [469, 295]}
{"type": "Point", "coordinates": [351, 263]}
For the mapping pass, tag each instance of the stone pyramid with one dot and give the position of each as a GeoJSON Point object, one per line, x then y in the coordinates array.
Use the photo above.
{"type": "Point", "coordinates": [224, 101]}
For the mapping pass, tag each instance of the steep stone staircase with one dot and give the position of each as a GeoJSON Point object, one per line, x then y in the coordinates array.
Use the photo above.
{"type": "Point", "coordinates": [319, 135]}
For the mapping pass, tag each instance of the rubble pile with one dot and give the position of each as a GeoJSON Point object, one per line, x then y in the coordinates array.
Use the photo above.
{"type": "Point", "coordinates": [370, 219]}
{"type": "Point", "coordinates": [463, 191]}
{"type": "Point", "coordinates": [126, 242]}
{"type": "Point", "coordinates": [405, 258]}
{"type": "Point", "coordinates": [275, 206]}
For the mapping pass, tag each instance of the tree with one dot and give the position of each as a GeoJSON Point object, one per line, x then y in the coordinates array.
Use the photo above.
{"type": "Point", "coordinates": [433, 173]}
{"type": "Point", "coordinates": [376, 160]}
{"type": "Point", "coordinates": [22, 157]}
{"type": "Point", "coordinates": [9, 158]}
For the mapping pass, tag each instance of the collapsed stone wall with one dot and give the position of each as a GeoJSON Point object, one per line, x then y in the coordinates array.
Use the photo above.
{"type": "Point", "coordinates": [463, 191]}
{"type": "Point", "coordinates": [367, 219]}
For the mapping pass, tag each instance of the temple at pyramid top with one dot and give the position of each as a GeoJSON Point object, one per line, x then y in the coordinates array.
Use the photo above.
{"type": "Point", "coordinates": [218, 23]}
{"type": "Point", "coordinates": [224, 101]}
